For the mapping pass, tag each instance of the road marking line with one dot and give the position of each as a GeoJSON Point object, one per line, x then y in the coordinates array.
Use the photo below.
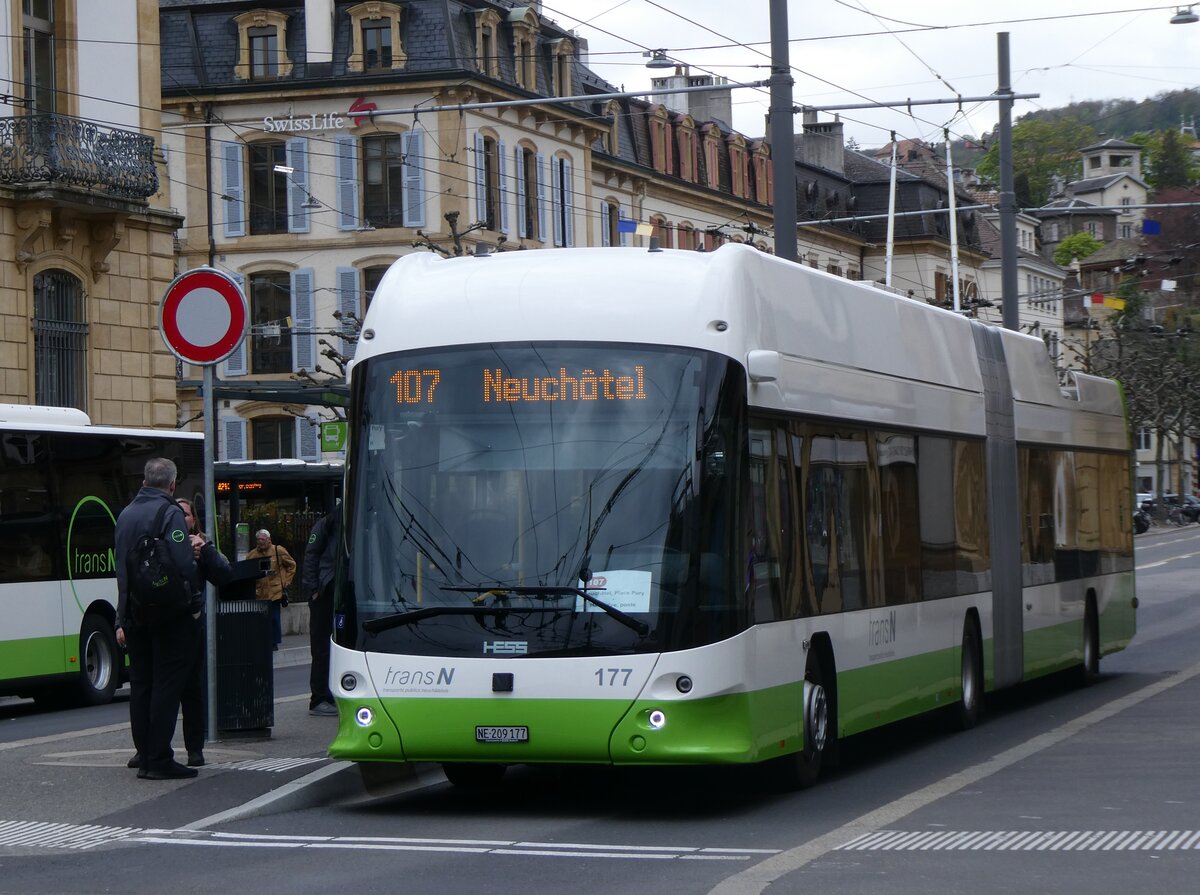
{"type": "Point", "coordinates": [1031, 840]}
{"type": "Point", "coordinates": [755, 879]}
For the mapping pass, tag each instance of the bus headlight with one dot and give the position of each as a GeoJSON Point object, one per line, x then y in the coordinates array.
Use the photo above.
{"type": "Point", "coordinates": [364, 716]}
{"type": "Point", "coordinates": [349, 681]}
{"type": "Point", "coordinates": [657, 719]}
{"type": "Point", "coordinates": [683, 684]}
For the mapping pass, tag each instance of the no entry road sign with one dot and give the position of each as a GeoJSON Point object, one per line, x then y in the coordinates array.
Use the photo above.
{"type": "Point", "coordinates": [203, 316]}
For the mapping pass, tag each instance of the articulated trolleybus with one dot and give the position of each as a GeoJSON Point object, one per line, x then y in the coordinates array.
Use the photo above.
{"type": "Point", "coordinates": [63, 482]}
{"type": "Point", "coordinates": [657, 507]}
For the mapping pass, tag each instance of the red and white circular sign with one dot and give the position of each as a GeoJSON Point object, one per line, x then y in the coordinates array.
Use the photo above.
{"type": "Point", "coordinates": [203, 316]}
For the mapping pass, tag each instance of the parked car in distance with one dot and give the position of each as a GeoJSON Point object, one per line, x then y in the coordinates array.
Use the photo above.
{"type": "Point", "coordinates": [1188, 504]}
{"type": "Point", "coordinates": [1145, 499]}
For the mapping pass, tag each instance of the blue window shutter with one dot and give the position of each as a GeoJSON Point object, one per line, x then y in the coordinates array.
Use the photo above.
{"type": "Point", "coordinates": [235, 364]}
{"type": "Point", "coordinates": [480, 178]}
{"type": "Point", "coordinates": [308, 437]}
{"type": "Point", "coordinates": [501, 163]}
{"type": "Point", "coordinates": [233, 438]}
{"type": "Point", "coordinates": [304, 340]}
{"type": "Point", "coordinates": [522, 224]}
{"type": "Point", "coordinates": [605, 218]}
{"type": "Point", "coordinates": [543, 183]}
{"type": "Point", "coordinates": [347, 183]}
{"type": "Point", "coordinates": [348, 281]}
{"type": "Point", "coordinates": [414, 179]}
{"type": "Point", "coordinates": [232, 189]}
{"type": "Point", "coordinates": [297, 194]}
{"type": "Point", "coordinates": [556, 200]}
{"type": "Point", "coordinates": [568, 203]}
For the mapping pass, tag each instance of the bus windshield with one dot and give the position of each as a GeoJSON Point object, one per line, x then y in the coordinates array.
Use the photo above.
{"type": "Point", "coordinates": [535, 499]}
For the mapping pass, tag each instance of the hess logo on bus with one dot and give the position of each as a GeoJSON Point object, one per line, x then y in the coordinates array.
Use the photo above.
{"type": "Point", "coordinates": [506, 647]}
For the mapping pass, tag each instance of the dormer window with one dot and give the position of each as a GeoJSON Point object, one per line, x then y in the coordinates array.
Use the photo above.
{"type": "Point", "coordinates": [662, 147]}
{"type": "Point", "coordinates": [525, 30]}
{"type": "Point", "coordinates": [375, 42]}
{"type": "Point", "coordinates": [688, 155]}
{"type": "Point", "coordinates": [262, 46]}
{"type": "Point", "coordinates": [563, 54]}
{"type": "Point", "coordinates": [613, 110]}
{"type": "Point", "coordinates": [487, 46]}
{"type": "Point", "coordinates": [712, 146]}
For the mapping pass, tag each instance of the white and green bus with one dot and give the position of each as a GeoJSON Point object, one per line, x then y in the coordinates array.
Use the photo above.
{"type": "Point", "coordinates": [659, 507]}
{"type": "Point", "coordinates": [63, 482]}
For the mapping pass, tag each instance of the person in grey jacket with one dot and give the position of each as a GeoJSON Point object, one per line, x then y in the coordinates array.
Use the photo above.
{"type": "Point", "coordinates": [320, 563]}
{"type": "Point", "coordinates": [160, 654]}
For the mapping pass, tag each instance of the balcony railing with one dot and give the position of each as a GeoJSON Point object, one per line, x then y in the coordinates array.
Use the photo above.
{"type": "Point", "coordinates": [62, 151]}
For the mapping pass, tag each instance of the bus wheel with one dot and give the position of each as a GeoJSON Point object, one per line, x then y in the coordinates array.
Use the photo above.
{"type": "Point", "coordinates": [474, 776]}
{"type": "Point", "coordinates": [971, 705]}
{"type": "Point", "coordinates": [800, 770]}
{"type": "Point", "coordinates": [1090, 669]}
{"type": "Point", "coordinates": [99, 668]}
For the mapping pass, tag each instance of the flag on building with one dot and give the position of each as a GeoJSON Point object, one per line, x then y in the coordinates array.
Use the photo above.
{"type": "Point", "coordinates": [626, 226]}
{"type": "Point", "coordinates": [1151, 228]}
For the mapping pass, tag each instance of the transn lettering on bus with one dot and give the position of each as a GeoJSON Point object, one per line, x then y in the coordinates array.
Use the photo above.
{"type": "Point", "coordinates": [415, 386]}
{"type": "Point", "coordinates": [882, 631]}
{"type": "Point", "coordinates": [588, 386]}
{"type": "Point", "coordinates": [83, 563]}
{"type": "Point", "coordinates": [403, 677]}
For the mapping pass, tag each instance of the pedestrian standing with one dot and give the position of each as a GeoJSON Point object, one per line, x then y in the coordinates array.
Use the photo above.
{"type": "Point", "coordinates": [213, 567]}
{"type": "Point", "coordinates": [320, 562]}
{"type": "Point", "coordinates": [273, 585]}
{"type": "Point", "coordinates": [161, 648]}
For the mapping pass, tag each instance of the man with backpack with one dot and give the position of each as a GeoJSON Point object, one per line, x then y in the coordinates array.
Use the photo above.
{"type": "Point", "coordinates": [157, 616]}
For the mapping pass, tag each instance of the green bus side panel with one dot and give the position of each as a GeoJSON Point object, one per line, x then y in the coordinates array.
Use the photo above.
{"type": "Point", "coordinates": [37, 656]}
{"type": "Point", "coordinates": [889, 691]}
{"type": "Point", "coordinates": [728, 729]}
{"type": "Point", "coordinates": [1054, 648]}
{"type": "Point", "coordinates": [1118, 624]}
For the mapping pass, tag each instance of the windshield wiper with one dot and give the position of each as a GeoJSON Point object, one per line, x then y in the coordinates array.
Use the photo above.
{"type": "Point", "coordinates": [549, 592]}
{"type": "Point", "coordinates": [400, 619]}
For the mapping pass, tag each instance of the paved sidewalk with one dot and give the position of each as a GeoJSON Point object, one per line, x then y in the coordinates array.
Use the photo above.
{"type": "Point", "coordinates": [293, 651]}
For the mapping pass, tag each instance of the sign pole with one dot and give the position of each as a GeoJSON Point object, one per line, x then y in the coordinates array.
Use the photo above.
{"type": "Point", "coordinates": [203, 319]}
{"type": "Point", "coordinates": [210, 530]}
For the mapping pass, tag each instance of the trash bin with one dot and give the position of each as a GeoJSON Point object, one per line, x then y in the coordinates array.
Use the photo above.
{"type": "Point", "coordinates": [245, 663]}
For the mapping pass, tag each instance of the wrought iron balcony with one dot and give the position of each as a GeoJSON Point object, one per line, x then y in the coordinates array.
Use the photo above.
{"type": "Point", "coordinates": [57, 150]}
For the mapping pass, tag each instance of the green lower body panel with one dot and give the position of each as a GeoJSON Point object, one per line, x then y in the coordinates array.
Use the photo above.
{"type": "Point", "coordinates": [37, 656]}
{"type": "Point", "coordinates": [729, 729]}
{"type": "Point", "coordinates": [890, 691]}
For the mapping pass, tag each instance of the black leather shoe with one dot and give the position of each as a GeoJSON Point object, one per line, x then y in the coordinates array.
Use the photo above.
{"type": "Point", "coordinates": [195, 759]}
{"type": "Point", "coordinates": [135, 762]}
{"type": "Point", "coordinates": [172, 771]}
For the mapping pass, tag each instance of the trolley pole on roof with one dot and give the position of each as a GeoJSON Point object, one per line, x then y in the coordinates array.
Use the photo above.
{"type": "Point", "coordinates": [1008, 199]}
{"type": "Point", "coordinates": [782, 129]}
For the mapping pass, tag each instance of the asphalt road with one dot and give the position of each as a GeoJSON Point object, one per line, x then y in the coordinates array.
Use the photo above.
{"type": "Point", "coordinates": [1059, 789]}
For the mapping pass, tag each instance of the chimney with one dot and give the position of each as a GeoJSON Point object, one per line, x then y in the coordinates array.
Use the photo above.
{"type": "Point", "coordinates": [318, 37]}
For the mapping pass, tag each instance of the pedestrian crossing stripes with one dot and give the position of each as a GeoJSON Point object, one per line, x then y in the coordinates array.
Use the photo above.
{"type": "Point", "coordinates": [32, 834]}
{"type": "Point", "coordinates": [1025, 840]}
{"type": "Point", "coordinates": [274, 765]}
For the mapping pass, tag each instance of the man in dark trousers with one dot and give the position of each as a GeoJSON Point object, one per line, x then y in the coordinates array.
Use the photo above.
{"type": "Point", "coordinates": [320, 560]}
{"type": "Point", "coordinates": [160, 653]}
{"type": "Point", "coordinates": [211, 566]}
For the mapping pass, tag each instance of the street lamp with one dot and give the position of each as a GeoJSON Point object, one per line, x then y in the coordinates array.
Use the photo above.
{"type": "Point", "coordinates": [658, 59]}
{"type": "Point", "coordinates": [1184, 17]}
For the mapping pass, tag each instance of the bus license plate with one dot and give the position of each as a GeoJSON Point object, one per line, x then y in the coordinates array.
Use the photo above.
{"type": "Point", "coordinates": [501, 734]}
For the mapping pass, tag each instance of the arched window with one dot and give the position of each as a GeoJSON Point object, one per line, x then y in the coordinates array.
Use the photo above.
{"type": "Point", "coordinates": [271, 333]}
{"type": "Point", "coordinates": [60, 340]}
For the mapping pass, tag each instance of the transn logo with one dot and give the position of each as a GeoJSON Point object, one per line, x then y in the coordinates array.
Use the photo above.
{"type": "Point", "coordinates": [506, 647]}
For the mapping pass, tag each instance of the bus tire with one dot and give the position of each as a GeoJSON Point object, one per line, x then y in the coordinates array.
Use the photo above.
{"type": "Point", "coordinates": [471, 775]}
{"type": "Point", "coordinates": [99, 661]}
{"type": "Point", "coordinates": [1089, 668]}
{"type": "Point", "coordinates": [970, 705]}
{"type": "Point", "coordinates": [802, 769]}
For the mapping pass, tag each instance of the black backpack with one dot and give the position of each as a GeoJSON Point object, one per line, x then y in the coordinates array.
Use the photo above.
{"type": "Point", "coordinates": [157, 589]}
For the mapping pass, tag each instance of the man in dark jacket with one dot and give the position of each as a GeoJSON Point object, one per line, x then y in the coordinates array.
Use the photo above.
{"type": "Point", "coordinates": [320, 559]}
{"type": "Point", "coordinates": [160, 653]}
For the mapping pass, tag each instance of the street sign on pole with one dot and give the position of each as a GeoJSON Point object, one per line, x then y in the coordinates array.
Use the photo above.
{"type": "Point", "coordinates": [203, 316]}
{"type": "Point", "coordinates": [203, 319]}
